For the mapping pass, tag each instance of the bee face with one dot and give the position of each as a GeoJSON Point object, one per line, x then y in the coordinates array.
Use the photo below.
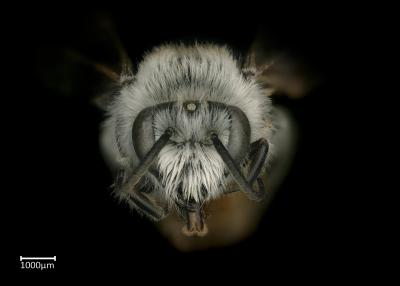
{"type": "Point", "coordinates": [189, 167]}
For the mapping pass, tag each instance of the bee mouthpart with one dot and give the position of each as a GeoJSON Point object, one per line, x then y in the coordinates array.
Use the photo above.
{"type": "Point", "coordinates": [195, 225]}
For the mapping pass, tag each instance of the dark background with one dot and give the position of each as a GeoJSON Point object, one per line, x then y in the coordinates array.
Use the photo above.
{"type": "Point", "coordinates": [60, 203]}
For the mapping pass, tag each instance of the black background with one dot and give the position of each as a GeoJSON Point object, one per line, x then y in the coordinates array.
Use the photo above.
{"type": "Point", "coordinates": [59, 200]}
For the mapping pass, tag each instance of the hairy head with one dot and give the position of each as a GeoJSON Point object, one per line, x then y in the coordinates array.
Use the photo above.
{"type": "Point", "coordinates": [197, 91]}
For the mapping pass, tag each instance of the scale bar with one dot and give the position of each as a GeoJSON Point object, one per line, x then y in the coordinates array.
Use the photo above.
{"type": "Point", "coordinates": [37, 258]}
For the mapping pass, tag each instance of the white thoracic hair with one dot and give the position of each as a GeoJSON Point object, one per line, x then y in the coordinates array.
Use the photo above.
{"type": "Point", "coordinates": [182, 73]}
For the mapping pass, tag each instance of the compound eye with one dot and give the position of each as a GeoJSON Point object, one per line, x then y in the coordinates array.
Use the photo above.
{"type": "Point", "coordinates": [239, 137]}
{"type": "Point", "coordinates": [240, 131]}
{"type": "Point", "coordinates": [143, 137]}
{"type": "Point", "coordinates": [142, 132]}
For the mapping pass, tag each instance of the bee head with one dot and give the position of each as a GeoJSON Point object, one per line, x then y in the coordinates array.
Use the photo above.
{"type": "Point", "coordinates": [180, 131]}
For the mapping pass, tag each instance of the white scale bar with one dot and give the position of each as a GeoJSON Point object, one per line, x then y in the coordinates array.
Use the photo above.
{"type": "Point", "coordinates": [37, 258]}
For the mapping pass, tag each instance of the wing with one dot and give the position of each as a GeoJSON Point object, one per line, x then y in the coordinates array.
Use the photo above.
{"type": "Point", "coordinates": [91, 64]}
{"type": "Point", "coordinates": [278, 68]}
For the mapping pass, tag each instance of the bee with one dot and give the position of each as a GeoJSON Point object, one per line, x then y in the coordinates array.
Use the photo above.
{"type": "Point", "coordinates": [192, 126]}
{"type": "Point", "coordinates": [187, 128]}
